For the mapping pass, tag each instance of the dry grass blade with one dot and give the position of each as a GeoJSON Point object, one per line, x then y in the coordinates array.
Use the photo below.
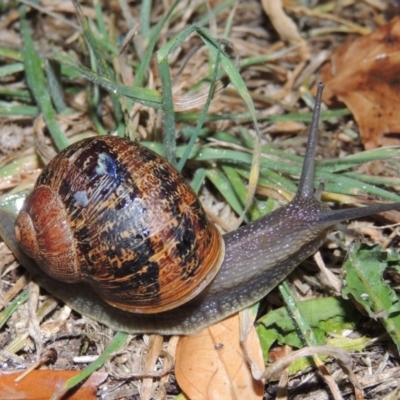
{"type": "Point", "coordinates": [341, 356]}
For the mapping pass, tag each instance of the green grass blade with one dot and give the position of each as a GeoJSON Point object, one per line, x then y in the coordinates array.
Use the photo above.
{"type": "Point", "coordinates": [100, 57]}
{"type": "Point", "coordinates": [200, 122]}
{"type": "Point", "coordinates": [167, 99]}
{"type": "Point", "coordinates": [241, 190]}
{"type": "Point", "coordinates": [11, 54]}
{"type": "Point", "coordinates": [11, 69]}
{"type": "Point", "coordinates": [271, 167]}
{"type": "Point", "coordinates": [351, 161]}
{"type": "Point", "coordinates": [222, 184]}
{"type": "Point", "coordinates": [147, 97]}
{"type": "Point", "coordinates": [169, 115]}
{"type": "Point", "coordinates": [155, 34]}
{"type": "Point", "coordinates": [16, 94]}
{"type": "Point", "coordinates": [22, 110]}
{"type": "Point", "coordinates": [53, 72]}
{"type": "Point", "coordinates": [247, 117]}
{"type": "Point", "coordinates": [198, 179]}
{"type": "Point", "coordinates": [342, 184]}
{"type": "Point", "coordinates": [37, 83]}
{"type": "Point", "coordinates": [307, 334]}
{"type": "Point", "coordinates": [237, 81]}
{"type": "Point", "coordinates": [213, 12]}
{"type": "Point", "coordinates": [10, 309]}
{"type": "Point", "coordinates": [100, 18]}
{"type": "Point", "coordinates": [373, 179]}
{"type": "Point", "coordinates": [145, 13]}
{"type": "Point", "coordinates": [117, 342]}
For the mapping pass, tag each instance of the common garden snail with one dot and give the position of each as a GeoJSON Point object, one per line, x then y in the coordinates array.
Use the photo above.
{"type": "Point", "coordinates": [256, 258]}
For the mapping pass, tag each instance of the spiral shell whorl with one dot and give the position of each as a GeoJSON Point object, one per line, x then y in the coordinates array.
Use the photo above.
{"type": "Point", "coordinates": [141, 237]}
{"type": "Point", "coordinates": [42, 230]}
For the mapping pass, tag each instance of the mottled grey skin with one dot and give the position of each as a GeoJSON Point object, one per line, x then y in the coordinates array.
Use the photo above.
{"type": "Point", "coordinates": [258, 256]}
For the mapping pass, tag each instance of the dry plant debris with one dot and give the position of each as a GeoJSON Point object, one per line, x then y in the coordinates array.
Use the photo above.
{"type": "Point", "coordinates": [273, 71]}
{"type": "Point", "coordinates": [364, 74]}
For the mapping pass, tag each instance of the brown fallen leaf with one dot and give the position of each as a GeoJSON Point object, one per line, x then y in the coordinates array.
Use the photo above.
{"type": "Point", "coordinates": [364, 74]}
{"type": "Point", "coordinates": [42, 384]}
{"type": "Point", "coordinates": [211, 365]}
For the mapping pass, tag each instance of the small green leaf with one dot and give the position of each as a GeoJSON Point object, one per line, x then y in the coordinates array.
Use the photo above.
{"type": "Point", "coordinates": [365, 283]}
{"type": "Point", "coordinates": [324, 315]}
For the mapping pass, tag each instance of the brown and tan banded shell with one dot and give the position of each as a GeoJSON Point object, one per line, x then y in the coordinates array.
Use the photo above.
{"type": "Point", "coordinates": [113, 213]}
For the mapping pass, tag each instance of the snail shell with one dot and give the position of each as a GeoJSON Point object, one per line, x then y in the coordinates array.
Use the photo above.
{"type": "Point", "coordinates": [114, 214]}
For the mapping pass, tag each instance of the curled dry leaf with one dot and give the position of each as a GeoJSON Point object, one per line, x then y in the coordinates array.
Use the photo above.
{"type": "Point", "coordinates": [364, 74]}
{"type": "Point", "coordinates": [211, 365]}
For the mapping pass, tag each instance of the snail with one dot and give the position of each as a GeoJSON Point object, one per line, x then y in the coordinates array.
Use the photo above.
{"type": "Point", "coordinates": [115, 215]}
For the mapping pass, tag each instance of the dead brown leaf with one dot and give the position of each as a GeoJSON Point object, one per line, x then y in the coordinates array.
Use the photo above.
{"type": "Point", "coordinates": [42, 384]}
{"type": "Point", "coordinates": [211, 365]}
{"type": "Point", "coordinates": [364, 74]}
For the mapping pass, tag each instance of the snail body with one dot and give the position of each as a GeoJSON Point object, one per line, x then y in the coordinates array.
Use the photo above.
{"type": "Point", "coordinates": [256, 257]}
